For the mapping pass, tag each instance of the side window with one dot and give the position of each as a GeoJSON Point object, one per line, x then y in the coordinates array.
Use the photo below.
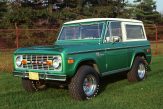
{"type": "Point", "coordinates": [134, 32]}
{"type": "Point", "coordinates": [116, 29]}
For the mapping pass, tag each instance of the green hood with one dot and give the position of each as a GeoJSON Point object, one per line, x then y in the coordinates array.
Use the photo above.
{"type": "Point", "coordinates": [57, 49]}
{"type": "Point", "coordinates": [53, 49]}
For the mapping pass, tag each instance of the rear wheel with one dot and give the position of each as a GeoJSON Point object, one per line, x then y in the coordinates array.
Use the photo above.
{"type": "Point", "coordinates": [138, 71]}
{"type": "Point", "coordinates": [32, 85]}
{"type": "Point", "coordinates": [85, 84]}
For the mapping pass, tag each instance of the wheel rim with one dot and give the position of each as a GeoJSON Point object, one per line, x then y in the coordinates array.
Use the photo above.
{"type": "Point", "coordinates": [141, 71]}
{"type": "Point", "coordinates": [89, 85]}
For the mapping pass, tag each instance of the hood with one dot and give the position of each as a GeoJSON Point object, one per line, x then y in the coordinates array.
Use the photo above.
{"type": "Point", "coordinates": [57, 49]}
{"type": "Point", "coordinates": [53, 49]}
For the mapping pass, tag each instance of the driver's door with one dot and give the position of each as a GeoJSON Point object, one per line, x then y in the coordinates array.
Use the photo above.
{"type": "Point", "coordinates": [116, 51]}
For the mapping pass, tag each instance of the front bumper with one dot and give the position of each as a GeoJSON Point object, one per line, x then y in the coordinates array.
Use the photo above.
{"type": "Point", "coordinates": [43, 76]}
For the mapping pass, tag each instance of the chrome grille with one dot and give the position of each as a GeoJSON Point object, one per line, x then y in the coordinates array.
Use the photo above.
{"type": "Point", "coordinates": [37, 62]}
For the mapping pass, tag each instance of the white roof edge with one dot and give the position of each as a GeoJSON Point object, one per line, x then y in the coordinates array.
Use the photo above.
{"type": "Point", "coordinates": [103, 19]}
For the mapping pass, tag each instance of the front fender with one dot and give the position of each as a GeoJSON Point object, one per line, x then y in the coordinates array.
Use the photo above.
{"type": "Point", "coordinates": [78, 59]}
{"type": "Point", "coordinates": [137, 53]}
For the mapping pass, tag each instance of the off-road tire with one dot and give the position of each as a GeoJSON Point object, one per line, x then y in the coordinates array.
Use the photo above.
{"type": "Point", "coordinates": [76, 85]}
{"type": "Point", "coordinates": [32, 86]}
{"type": "Point", "coordinates": [132, 75]}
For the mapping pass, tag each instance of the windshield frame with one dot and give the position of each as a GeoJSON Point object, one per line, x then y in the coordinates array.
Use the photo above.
{"type": "Point", "coordinates": [79, 24]}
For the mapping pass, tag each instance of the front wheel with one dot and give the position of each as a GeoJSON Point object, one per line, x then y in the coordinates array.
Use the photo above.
{"type": "Point", "coordinates": [85, 84]}
{"type": "Point", "coordinates": [138, 71]}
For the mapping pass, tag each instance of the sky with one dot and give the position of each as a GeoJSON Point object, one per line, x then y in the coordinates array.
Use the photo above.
{"type": "Point", "coordinates": [159, 4]}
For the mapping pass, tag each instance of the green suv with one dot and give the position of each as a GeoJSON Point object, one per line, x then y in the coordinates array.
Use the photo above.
{"type": "Point", "coordinates": [85, 51]}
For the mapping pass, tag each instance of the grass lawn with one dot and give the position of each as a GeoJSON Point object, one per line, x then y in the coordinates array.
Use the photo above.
{"type": "Point", "coordinates": [6, 61]}
{"type": "Point", "coordinates": [117, 93]}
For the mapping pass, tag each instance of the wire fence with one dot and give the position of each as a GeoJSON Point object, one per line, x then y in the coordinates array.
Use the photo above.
{"type": "Point", "coordinates": [15, 38]}
{"type": "Point", "coordinates": [155, 36]}
{"type": "Point", "coordinates": [11, 39]}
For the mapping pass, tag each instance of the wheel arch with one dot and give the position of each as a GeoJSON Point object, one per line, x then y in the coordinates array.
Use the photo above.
{"type": "Point", "coordinates": [141, 54]}
{"type": "Point", "coordinates": [89, 62]}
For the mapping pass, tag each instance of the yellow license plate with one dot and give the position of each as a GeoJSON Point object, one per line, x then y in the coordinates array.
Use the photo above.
{"type": "Point", "coordinates": [33, 76]}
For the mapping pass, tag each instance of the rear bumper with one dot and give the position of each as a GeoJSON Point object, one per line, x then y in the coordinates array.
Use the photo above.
{"type": "Point", "coordinates": [43, 76]}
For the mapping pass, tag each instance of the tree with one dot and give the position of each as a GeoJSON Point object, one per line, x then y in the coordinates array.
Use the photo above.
{"type": "Point", "coordinates": [3, 11]}
{"type": "Point", "coordinates": [3, 8]}
{"type": "Point", "coordinates": [145, 10]}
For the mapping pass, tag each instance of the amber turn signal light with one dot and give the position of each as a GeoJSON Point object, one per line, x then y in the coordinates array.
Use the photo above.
{"type": "Point", "coordinates": [48, 62]}
{"type": "Point", "coordinates": [24, 62]}
{"type": "Point", "coordinates": [70, 61]}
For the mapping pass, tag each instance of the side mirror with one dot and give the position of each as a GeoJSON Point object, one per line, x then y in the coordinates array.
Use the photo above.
{"type": "Point", "coordinates": [107, 39]}
{"type": "Point", "coordinates": [116, 39]}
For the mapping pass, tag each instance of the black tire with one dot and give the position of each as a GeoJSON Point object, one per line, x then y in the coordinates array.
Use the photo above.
{"type": "Point", "coordinates": [135, 75]}
{"type": "Point", "coordinates": [32, 86]}
{"type": "Point", "coordinates": [76, 86]}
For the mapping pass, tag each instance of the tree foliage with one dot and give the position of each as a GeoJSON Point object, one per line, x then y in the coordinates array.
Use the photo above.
{"type": "Point", "coordinates": [31, 13]}
{"type": "Point", "coordinates": [3, 8]}
{"type": "Point", "coordinates": [3, 11]}
{"type": "Point", "coordinates": [145, 10]}
{"type": "Point", "coordinates": [49, 13]}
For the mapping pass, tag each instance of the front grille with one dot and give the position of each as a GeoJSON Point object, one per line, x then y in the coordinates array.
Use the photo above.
{"type": "Point", "coordinates": [37, 62]}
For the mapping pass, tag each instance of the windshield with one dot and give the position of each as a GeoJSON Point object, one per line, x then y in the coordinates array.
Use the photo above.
{"type": "Point", "coordinates": [80, 32]}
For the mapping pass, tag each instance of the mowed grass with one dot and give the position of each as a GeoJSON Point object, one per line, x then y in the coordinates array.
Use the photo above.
{"type": "Point", "coordinates": [117, 93]}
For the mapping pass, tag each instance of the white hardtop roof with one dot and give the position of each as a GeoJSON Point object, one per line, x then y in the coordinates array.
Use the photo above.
{"type": "Point", "coordinates": [104, 19]}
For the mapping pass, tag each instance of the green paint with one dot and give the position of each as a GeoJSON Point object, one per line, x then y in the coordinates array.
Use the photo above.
{"type": "Point", "coordinates": [110, 57]}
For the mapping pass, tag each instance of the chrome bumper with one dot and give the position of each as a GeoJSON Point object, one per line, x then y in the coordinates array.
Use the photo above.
{"type": "Point", "coordinates": [41, 76]}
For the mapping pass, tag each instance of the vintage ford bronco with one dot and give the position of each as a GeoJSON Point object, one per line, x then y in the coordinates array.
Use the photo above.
{"type": "Point", "coordinates": [85, 51]}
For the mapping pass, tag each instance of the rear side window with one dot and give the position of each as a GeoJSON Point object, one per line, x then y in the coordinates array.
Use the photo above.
{"type": "Point", "coordinates": [134, 32]}
{"type": "Point", "coordinates": [116, 29]}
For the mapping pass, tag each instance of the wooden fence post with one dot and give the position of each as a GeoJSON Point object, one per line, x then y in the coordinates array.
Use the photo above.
{"type": "Point", "coordinates": [156, 52]}
{"type": "Point", "coordinates": [17, 36]}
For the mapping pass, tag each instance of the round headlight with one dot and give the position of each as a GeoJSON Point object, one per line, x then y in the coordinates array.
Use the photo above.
{"type": "Point", "coordinates": [19, 61]}
{"type": "Point", "coordinates": [57, 62]}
